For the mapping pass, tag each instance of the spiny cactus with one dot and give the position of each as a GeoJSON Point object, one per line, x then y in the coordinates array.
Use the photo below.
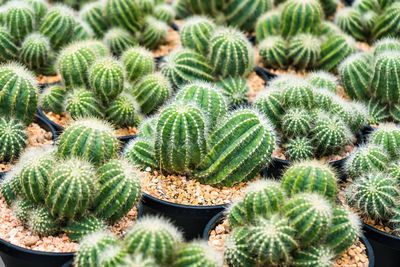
{"type": "Point", "coordinates": [200, 7]}
{"type": "Point", "coordinates": [386, 45]}
{"type": "Point", "coordinates": [151, 91]}
{"type": "Point", "coordinates": [300, 16]}
{"type": "Point", "coordinates": [18, 92]}
{"type": "Point", "coordinates": [184, 65]}
{"type": "Point", "coordinates": [52, 99]}
{"type": "Point", "coordinates": [329, 6]}
{"type": "Point", "coordinates": [298, 95]}
{"type": "Point", "coordinates": [320, 256]}
{"type": "Point", "coordinates": [349, 20]}
{"type": "Point", "coordinates": [268, 25]}
{"type": "Point", "coordinates": [164, 12]}
{"type": "Point", "coordinates": [207, 97]}
{"type": "Point", "coordinates": [97, 47]}
{"type": "Point", "coordinates": [231, 54]}
{"type": "Point", "coordinates": [41, 222]}
{"type": "Point", "coordinates": [71, 189]}
{"type": "Point", "coordinates": [19, 18]}
{"type": "Point", "coordinates": [40, 8]}
{"type": "Point", "coordinates": [374, 195]}
{"type": "Point", "coordinates": [89, 138]}
{"type": "Point", "coordinates": [21, 209]}
{"type": "Point", "coordinates": [239, 148]}
{"type": "Point", "coordinates": [299, 148]}
{"type": "Point", "coordinates": [334, 50]}
{"type": "Point", "coordinates": [234, 89]}
{"type": "Point", "coordinates": [197, 254]}
{"type": "Point", "coordinates": [319, 212]}
{"type": "Point", "coordinates": [35, 51]}
{"type": "Point", "coordinates": [196, 34]}
{"type": "Point", "coordinates": [180, 142]}
{"type": "Point", "coordinates": [141, 153]}
{"type": "Point", "coordinates": [394, 170]}
{"type": "Point", "coordinates": [82, 103]}
{"type": "Point", "coordinates": [377, 112]}
{"type": "Point", "coordinates": [236, 249]}
{"type": "Point", "coordinates": [388, 22]}
{"type": "Point", "coordinates": [147, 127]}
{"type": "Point", "coordinates": [10, 187]}
{"type": "Point", "coordinates": [322, 79]}
{"type": "Point", "coordinates": [312, 177]}
{"type": "Point", "coordinates": [114, 256]}
{"type": "Point", "coordinates": [13, 139]}
{"type": "Point", "coordinates": [92, 14]}
{"type": "Point", "coordinates": [123, 111]}
{"type": "Point", "coordinates": [124, 13]}
{"type": "Point", "coordinates": [367, 5]}
{"type": "Point", "coordinates": [154, 237]}
{"type": "Point", "coordinates": [274, 52]}
{"type": "Point", "coordinates": [106, 78]}
{"type": "Point", "coordinates": [119, 40]}
{"type": "Point", "coordinates": [8, 44]}
{"type": "Point", "coordinates": [154, 33]}
{"type": "Point", "coordinates": [88, 224]}
{"type": "Point", "coordinates": [304, 51]}
{"type": "Point", "coordinates": [82, 30]}
{"type": "Point", "coordinates": [323, 100]}
{"type": "Point", "coordinates": [296, 122]}
{"type": "Point", "coordinates": [138, 62]}
{"type": "Point", "coordinates": [388, 136]}
{"type": "Point", "coordinates": [269, 103]}
{"type": "Point", "coordinates": [63, 17]}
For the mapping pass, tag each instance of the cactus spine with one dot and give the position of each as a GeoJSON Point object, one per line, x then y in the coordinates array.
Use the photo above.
{"type": "Point", "coordinates": [334, 50]}
{"type": "Point", "coordinates": [196, 33]}
{"type": "Point", "coordinates": [388, 22]}
{"type": "Point", "coordinates": [124, 13]}
{"type": "Point", "coordinates": [12, 139]}
{"type": "Point", "coordinates": [138, 62]}
{"type": "Point", "coordinates": [8, 44]}
{"type": "Point", "coordinates": [296, 122]}
{"type": "Point", "coordinates": [82, 103]}
{"type": "Point", "coordinates": [314, 256]}
{"type": "Point", "coordinates": [349, 20]}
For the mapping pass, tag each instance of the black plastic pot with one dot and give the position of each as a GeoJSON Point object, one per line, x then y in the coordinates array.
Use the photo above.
{"type": "Point", "coordinates": [189, 219]}
{"type": "Point", "coordinates": [265, 74]}
{"type": "Point", "coordinates": [218, 218]}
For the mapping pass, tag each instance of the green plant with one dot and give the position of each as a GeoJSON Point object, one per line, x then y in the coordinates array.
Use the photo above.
{"type": "Point", "coordinates": [138, 62]}
{"type": "Point", "coordinates": [41, 222]}
{"type": "Point", "coordinates": [196, 33]}
{"type": "Point", "coordinates": [231, 54]}
{"type": "Point", "coordinates": [90, 139]}
{"type": "Point", "coordinates": [35, 51]}
{"type": "Point", "coordinates": [147, 128]}
{"type": "Point", "coordinates": [8, 45]}
{"type": "Point", "coordinates": [234, 89]}
{"type": "Point", "coordinates": [298, 95]}
{"type": "Point", "coordinates": [324, 80]}
{"type": "Point", "coordinates": [329, 6]}
{"type": "Point", "coordinates": [13, 139]}
{"type": "Point", "coordinates": [21, 209]}
{"type": "Point", "coordinates": [19, 18]}
{"type": "Point", "coordinates": [314, 256]}
{"type": "Point", "coordinates": [299, 148]}
{"type": "Point", "coordinates": [268, 25]}
{"type": "Point", "coordinates": [388, 136]}
{"type": "Point", "coordinates": [40, 8]}
{"type": "Point", "coordinates": [350, 21]}
{"type": "Point", "coordinates": [82, 103]}
{"type": "Point", "coordinates": [124, 13]}
{"type": "Point", "coordinates": [123, 111]}
{"type": "Point", "coordinates": [154, 33]}
{"type": "Point", "coordinates": [236, 249]}
{"type": "Point", "coordinates": [164, 12]}
{"type": "Point", "coordinates": [82, 30]}
{"type": "Point", "coordinates": [394, 170]}
{"type": "Point", "coordinates": [385, 45]}
{"type": "Point", "coordinates": [92, 14]}
{"type": "Point", "coordinates": [86, 225]}
{"type": "Point", "coordinates": [377, 112]}
{"type": "Point", "coordinates": [118, 40]}
{"type": "Point", "coordinates": [141, 153]}
{"type": "Point", "coordinates": [304, 51]}
{"type": "Point", "coordinates": [239, 147]}
{"type": "Point", "coordinates": [296, 122]}
{"type": "Point", "coordinates": [10, 187]}
{"type": "Point", "coordinates": [269, 103]}
{"type": "Point", "coordinates": [52, 99]}
{"type": "Point", "coordinates": [146, 6]}
{"type": "Point", "coordinates": [388, 22]}
{"type": "Point", "coordinates": [154, 237]}
{"type": "Point", "coordinates": [196, 254]}
{"type": "Point", "coordinates": [334, 50]}
{"type": "Point", "coordinates": [274, 52]}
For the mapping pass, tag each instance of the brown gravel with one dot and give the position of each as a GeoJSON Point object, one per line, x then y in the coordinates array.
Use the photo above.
{"type": "Point", "coordinates": [364, 47]}
{"type": "Point", "coordinates": [13, 231]}
{"type": "Point", "coordinates": [256, 85]}
{"type": "Point", "coordinates": [180, 190]}
{"type": "Point", "coordinates": [355, 256]}
{"type": "Point", "coordinates": [173, 41]}
{"type": "Point", "coordinates": [48, 79]}
{"type": "Point", "coordinates": [126, 131]}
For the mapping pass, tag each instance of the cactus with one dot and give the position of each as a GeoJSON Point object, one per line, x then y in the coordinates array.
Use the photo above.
{"type": "Point", "coordinates": [196, 33]}
{"type": "Point", "coordinates": [141, 153]}
{"type": "Point", "coordinates": [63, 17]}
{"type": "Point", "coordinates": [374, 195]}
{"type": "Point", "coordinates": [366, 159]}
{"type": "Point", "coordinates": [310, 176]}
{"type": "Point", "coordinates": [197, 254]}
{"type": "Point", "coordinates": [10, 187]}
{"type": "Point", "coordinates": [323, 100]}
{"type": "Point", "coordinates": [74, 62]}
{"type": "Point", "coordinates": [106, 78]}
{"type": "Point", "coordinates": [231, 54]}
{"type": "Point", "coordinates": [82, 30]}
{"type": "Point", "coordinates": [21, 209]}
{"type": "Point", "coordinates": [329, 7]}
{"type": "Point", "coordinates": [344, 230]}
{"type": "Point", "coordinates": [367, 5]}
{"type": "Point", "coordinates": [147, 127]}
{"type": "Point", "coordinates": [180, 142]}
{"type": "Point", "coordinates": [237, 250]}
{"type": "Point", "coordinates": [268, 25]}
{"type": "Point", "coordinates": [97, 47]}
{"type": "Point", "coordinates": [386, 76]}
{"type": "Point", "coordinates": [92, 14]}
{"type": "Point", "coordinates": [334, 50]}
{"type": "Point", "coordinates": [377, 112]}
{"type": "Point", "coordinates": [301, 16]}
{"type": "Point", "coordinates": [298, 95]}
{"type": "Point", "coordinates": [296, 122]}
{"type": "Point", "coordinates": [394, 170]}
{"type": "Point", "coordinates": [119, 40]}
{"type": "Point", "coordinates": [82, 103]}
{"type": "Point", "coordinates": [356, 72]}
{"type": "Point", "coordinates": [349, 20]}
{"type": "Point", "coordinates": [18, 92]}
{"type": "Point", "coordinates": [154, 33]}
{"type": "Point", "coordinates": [234, 89]}
{"type": "Point", "coordinates": [154, 237]}
{"type": "Point", "coordinates": [207, 97]}
{"type": "Point", "coordinates": [388, 136]}
{"type": "Point", "coordinates": [299, 148]}
{"type": "Point", "coordinates": [320, 256]}
{"type": "Point", "coordinates": [164, 12]}
{"type": "Point", "coordinates": [19, 18]}
{"type": "Point", "coordinates": [90, 139]}
{"type": "Point", "coordinates": [395, 113]}
{"type": "Point", "coordinates": [304, 51]}
{"type": "Point", "coordinates": [151, 92]}
{"type": "Point", "coordinates": [239, 148]}
{"type": "Point", "coordinates": [386, 45]}
{"type": "Point", "coordinates": [123, 111]}
{"type": "Point", "coordinates": [52, 99]}
{"type": "Point", "coordinates": [146, 6]}
{"type": "Point", "coordinates": [114, 256]}
{"type": "Point", "coordinates": [322, 79]}
{"type": "Point", "coordinates": [124, 13]}
{"type": "Point", "coordinates": [387, 23]}
{"type": "Point", "coordinates": [138, 62]}
{"type": "Point", "coordinates": [41, 222]}
{"type": "Point", "coordinates": [200, 7]}
{"type": "Point", "coordinates": [35, 51]}
{"type": "Point", "coordinates": [13, 139]}
{"type": "Point", "coordinates": [71, 189]}
{"type": "Point", "coordinates": [8, 44]}
{"type": "Point", "coordinates": [40, 8]}
{"type": "Point", "coordinates": [76, 230]}
{"type": "Point", "coordinates": [274, 52]}
{"type": "Point", "coordinates": [184, 65]}
{"type": "Point", "coordinates": [269, 103]}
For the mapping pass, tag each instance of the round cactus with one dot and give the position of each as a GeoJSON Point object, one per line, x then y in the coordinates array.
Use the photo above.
{"type": "Point", "coordinates": [314, 256]}
{"type": "Point", "coordinates": [200, 7]}
{"type": "Point", "coordinates": [298, 95]}
{"type": "Point", "coordinates": [268, 25]}
{"type": "Point", "coordinates": [154, 33]}
{"type": "Point", "coordinates": [239, 148]}
{"type": "Point", "coordinates": [114, 256]}
{"type": "Point", "coordinates": [234, 89]}
{"type": "Point", "coordinates": [10, 187]}
{"type": "Point", "coordinates": [41, 222]}
{"type": "Point", "coordinates": [8, 44]}
{"type": "Point", "coordinates": [13, 139]}
{"type": "Point", "coordinates": [349, 20]}
{"type": "Point", "coordinates": [124, 13]}
{"type": "Point", "coordinates": [231, 54]}
{"type": "Point", "coordinates": [329, 6]}
{"type": "Point", "coordinates": [386, 45]}
{"type": "Point", "coordinates": [92, 14]}
{"type": "Point", "coordinates": [377, 112]}
{"type": "Point", "coordinates": [82, 30]}
{"type": "Point", "coordinates": [52, 99]}
{"type": "Point", "coordinates": [296, 122]}
{"type": "Point", "coordinates": [82, 103]}
{"type": "Point", "coordinates": [21, 209]}
{"type": "Point", "coordinates": [40, 8]}
{"type": "Point", "coordinates": [153, 237]}
{"type": "Point", "coordinates": [367, 5]}
{"type": "Point", "coordinates": [119, 40]}
{"type": "Point", "coordinates": [141, 153]}
{"type": "Point", "coordinates": [388, 136]}
{"type": "Point", "coordinates": [334, 50]}
{"type": "Point", "coordinates": [323, 100]}
{"type": "Point", "coordinates": [304, 51]}
{"type": "Point", "coordinates": [35, 51]}
{"type": "Point", "coordinates": [388, 22]}
{"type": "Point", "coordinates": [322, 79]}
{"type": "Point", "coordinates": [196, 254]}
{"type": "Point", "coordinates": [394, 170]}
{"type": "Point", "coordinates": [269, 103]}
{"type": "Point", "coordinates": [123, 111]}
{"type": "Point", "coordinates": [299, 148]}
{"type": "Point", "coordinates": [237, 252]}
{"type": "Point", "coordinates": [164, 12]}
{"type": "Point", "coordinates": [19, 18]}
{"type": "Point", "coordinates": [147, 127]}
{"type": "Point", "coordinates": [97, 47]}
{"type": "Point", "coordinates": [76, 230]}
{"type": "Point", "coordinates": [138, 62]}
{"type": "Point", "coordinates": [151, 92]}
{"type": "Point", "coordinates": [274, 52]}
{"type": "Point", "coordinates": [90, 139]}
{"type": "Point", "coordinates": [196, 33]}
{"type": "Point", "coordinates": [184, 65]}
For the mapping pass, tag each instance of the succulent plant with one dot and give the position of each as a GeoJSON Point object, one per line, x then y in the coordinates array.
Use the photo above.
{"type": "Point", "coordinates": [19, 18]}
{"type": "Point", "coordinates": [21, 209]}
{"type": "Point", "coordinates": [41, 222]}
{"type": "Point", "coordinates": [296, 122]}
{"type": "Point", "coordinates": [320, 256]}
{"type": "Point", "coordinates": [88, 224]}
{"type": "Point", "coordinates": [322, 79]}
{"type": "Point", "coordinates": [388, 136]}
{"type": "Point", "coordinates": [196, 33]}
{"type": "Point", "coordinates": [334, 50]}
{"type": "Point", "coordinates": [82, 30]}
{"type": "Point", "coordinates": [234, 89]}
{"type": "Point", "coordinates": [92, 14]}
{"type": "Point", "coordinates": [388, 22]}
{"type": "Point", "coordinates": [274, 52]}
{"type": "Point", "coordinates": [90, 139]}
{"type": "Point", "coordinates": [304, 51]}
{"type": "Point", "coordinates": [40, 8]}
{"type": "Point", "coordinates": [154, 32]}
{"type": "Point", "coordinates": [269, 103]}
{"type": "Point", "coordinates": [377, 112]}
{"type": "Point", "coordinates": [141, 153]}
{"type": "Point", "coordinates": [299, 148]}
{"type": "Point", "coordinates": [13, 139]}
{"type": "Point", "coordinates": [148, 127]}
{"type": "Point", "coordinates": [394, 170]}
{"type": "Point", "coordinates": [154, 237]}
{"type": "Point", "coordinates": [196, 254]}
{"type": "Point", "coordinates": [151, 91]}
{"type": "Point", "coordinates": [237, 250]}
{"type": "Point", "coordinates": [298, 95]}
{"type": "Point", "coordinates": [138, 62]}
{"type": "Point", "coordinates": [231, 54]}
{"type": "Point", "coordinates": [164, 12]}
{"type": "Point", "coordinates": [349, 20]}
{"type": "Point", "coordinates": [81, 103]}
{"type": "Point", "coordinates": [268, 25]}
{"type": "Point", "coordinates": [367, 5]}
{"type": "Point", "coordinates": [114, 256]}
{"type": "Point", "coordinates": [329, 6]}
{"type": "Point", "coordinates": [123, 111]}
{"type": "Point", "coordinates": [8, 44]}
{"type": "Point", "coordinates": [118, 40]}
{"type": "Point", "coordinates": [239, 147]}
{"type": "Point", "coordinates": [385, 45]}
{"type": "Point", "coordinates": [124, 13]}
{"type": "Point", "coordinates": [35, 51]}
{"type": "Point", "coordinates": [10, 187]}
{"type": "Point", "coordinates": [146, 6]}
{"type": "Point", "coordinates": [52, 99]}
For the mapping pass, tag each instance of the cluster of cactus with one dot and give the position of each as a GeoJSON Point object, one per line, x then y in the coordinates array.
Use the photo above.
{"type": "Point", "coordinates": [269, 227]}
{"type": "Point", "coordinates": [312, 120]}
{"type": "Point", "coordinates": [370, 20]}
{"type": "Point", "coordinates": [77, 187]}
{"type": "Point", "coordinates": [373, 78]}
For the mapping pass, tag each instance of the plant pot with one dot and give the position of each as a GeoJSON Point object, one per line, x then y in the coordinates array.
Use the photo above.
{"type": "Point", "coordinates": [218, 218]}
{"type": "Point", "coordinates": [265, 74]}
{"type": "Point", "coordinates": [190, 219]}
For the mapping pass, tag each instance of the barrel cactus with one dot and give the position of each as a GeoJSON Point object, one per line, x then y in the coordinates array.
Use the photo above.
{"type": "Point", "coordinates": [304, 51]}
{"type": "Point", "coordinates": [196, 33]}
{"type": "Point", "coordinates": [123, 111]}
{"type": "Point", "coordinates": [296, 122]}
{"type": "Point", "coordinates": [322, 79]}
{"type": "Point", "coordinates": [138, 62]}
{"type": "Point", "coordinates": [93, 15]}
{"type": "Point", "coordinates": [140, 152]}
{"type": "Point", "coordinates": [388, 136]}
{"type": "Point", "coordinates": [35, 51]}
{"type": "Point", "coordinates": [82, 103]}
{"type": "Point", "coordinates": [52, 99]}
{"type": "Point", "coordinates": [8, 44]}
{"type": "Point", "coordinates": [77, 229]}
{"type": "Point", "coordinates": [124, 13]}
{"type": "Point", "coordinates": [274, 52]}
{"type": "Point", "coordinates": [234, 89]}
{"type": "Point", "coordinates": [13, 139]}
{"type": "Point", "coordinates": [387, 23]}
{"type": "Point", "coordinates": [334, 50]}
{"type": "Point", "coordinates": [41, 222]}
{"type": "Point", "coordinates": [299, 148]}
{"type": "Point", "coordinates": [268, 25]}
{"type": "Point", "coordinates": [154, 33]}
{"type": "Point", "coordinates": [118, 40]}
{"type": "Point", "coordinates": [196, 254]}
{"type": "Point", "coordinates": [19, 18]}
{"type": "Point", "coordinates": [349, 20]}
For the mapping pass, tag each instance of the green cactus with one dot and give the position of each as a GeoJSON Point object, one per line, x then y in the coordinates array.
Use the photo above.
{"type": "Point", "coordinates": [349, 20]}
{"type": "Point", "coordinates": [234, 89]}
{"type": "Point", "coordinates": [180, 142]}
{"type": "Point", "coordinates": [147, 127]}
{"type": "Point", "coordinates": [124, 13]}
{"type": "Point", "coordinates": [366, 159]}
{"type": "Point", "coordinates": [154, 33]}
{"type": "Point", "coordinates": [387, 23]}
{"type": "Point", "coordinates": [395, 220]}
{"type": "Point", "coordinates": [395, 113]}
{"type": "Point", "coordinates": [296, 122]}
{"type": "Point", "coordinates": [237, 250]}
{"type": "Point", "coordinates": [41, 222]}
{"type": "Point", "coordinates": [97, 47]}
{"type": "Point", "coordinates": [10, 187]}
{"type": "Point", "coordinates": [106, 79]}
{"type": "Point", "coordinates": [88, 224]}
{"type": "Point", "coordinates": [268, 25]}
{"type": "Point", "coordinates": [13, 139]}
{"type": "Point", "coordinates": [231, 53]}
{"type": "Point", "coordinates": [298, 95]}
{"type": "Point", "coordinates": [138, 62]}
{"type": "Point", "coordinates": [35, 51]}
{"type": "Point", "coordinates": [269, 103]}
{"type": "Point", "coordinates": [322, 79]}
{"type": "Point", "coordinates": [153, 237]}
{"type": "Point", "coordinates": [114, 256]}
{"type": "Point", "coordinates": [299, 148]}
{"type": "Point", "coordinates": [239, 148]}
{"type": "Point", "coordinates": [52, 99]}
{"type": "Point", "coordinates": [118, 40]}
{"type": "Point", "coordinates": [274, 52]}
{"type": "Point", "coordinates": [323, 100]}
{"type": "Point", "coordinates": [329, 6]}
{"type": "Point", "coordinates": [388, 136]}
{"type": "Point", "coordinates": [301, 16]}
{"type": "Point", "coordinates": [82, 30]}
{"type": "Point", "coordinates": [394, 170]}
{"type": "Point", "coordinates": [141, 153]}
{"type": "Point", "coordinates": [21, 209]}
{"type": "Point", "coordinates": [386, 45]}
{"type": "Point", "coordinates": [184, 65]}
{"type": "Point", "coordinates": [304, 51]}
{"type": "Point", "coordinates": [151, 91]}
{"type": "Point", "coordinates": [90, 139]}
{"type": "Point", "coordinates": [123, 111]}
{"type": "Point", "coordinates": [82, 103]}
{"type": "Point", "coordinates": [164, 12]}
{"type": "Point", "coordinates": [92, 14]}
{"type": "Point", "coordinates": [63, 17]}
{"type": "Point", "coordinates": [377, 112]}
{"type": "Point", "coordinates": [320, 256]}
{"type": "Point", "coordinates": [146, 6]}
{"type": "Point", "coordinates": [196, 33]}
{"type": "Point", "coordinates": [18, 92]}
{"type": "Point", "coordinates": [200, 7]}
{"type": "Point", "coordinates": [197, 254]}
{"type": "Point", "coordinates": [19, 18]}
{"type": "Point", "coordinates": [367, 5]}
{"type": "Point", "coordinates": [334, 50]}
{"type": "Point", "coordinates": [8, 44]}
{"type": "Point", "coordinates": [40, 8]}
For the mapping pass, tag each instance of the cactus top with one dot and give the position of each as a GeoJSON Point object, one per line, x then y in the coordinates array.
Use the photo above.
{"type": "Point", "coordinates": [261, 185]}
{"type": "Point", "coordinates": [95, 124]}
{"type": "Point", "coordinates": [157, 224]}
{"type": "Point", "coordinates": [20, 71]}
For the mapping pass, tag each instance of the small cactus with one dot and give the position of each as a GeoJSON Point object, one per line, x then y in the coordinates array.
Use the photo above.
{"type": "Point", "coordinates": [114, 256]}
{"type": "Point", "coordinates": [82, 30]}
{"type": "Point", "coordinates": [394, 170]}
{"type": "Point", "coordinates": [123, 111]}
{"type": "Point", "coordinates": [274, 52]}
{"type": "Point", "coordinates": [8, 44]}
{"type": "Point", "coordinates": [231, 54]}
{"type": "Point", "coordinates": [269, 103]}
{"type": "Point", "coordinates": [13, 139]}
{"type": "Point", "coordinates": [124, 13]}
{"type": "Point", "coordinates": [21, 209]}
{"type": "Point", "coordinates": [296, 122]}
{"type": "Point", "coordinates": [164, 12]}
{"type": "Point", "coordinates": [141, 153]}
{"type": "Point", "coordinates": [41, 222]}
{"type": "Point", "coordinates": [298, 95]}
{"type": "Point", "coordinates": [388, 136]}
{"type": "Point", "coordinates": [19, 18]}
{"type": "Point", "coordinates": [76, 230]}
{"type": "Point", "coordinates": [299, 148]}
{"type": "Point", "coordinates": [322, 79]}
{"type": "Point", "coordinates": [304, 51]}
{"type": "Point", "coordinates": [92, 14]}
{"type": "Point", "coordinates": [10, 187]}
{"type": "Point", "coordinates": [388, 22]}
{"type": "Point", "coordinates": [147, 127]}
{"type": "Point", "coordinates": [138, 62]}
{"type": "Point", "coordinates": [268, 25]}
{"type": "Point", "coordinates": [82, 103]}
{"type": "Point", "coordinates": [237, 252]}
{"type": "Point", "coordinates": [196, 33]}
{"type": "Point", "coordinates": [154, 33]}
{"type": "Point", "coordinates": [349, 20]}
{"type": "Point", "coordinates": [320, 256]}
{"type": "Point", "coordinates": [234, 89]}
{"type": "Point", "coordinates": [196, 254]}
{"type": "Point", "coordinates": [119, 40]}
{"type": "Point", "coordinates": [35, 51]}
{"type": "Point", "coordinates": [334, 50]}
{"type": "Point", "coordinates": [40, 8]}
{"type": "Point", "coordinates": [377, 112]}
{"type": "Point", "coordinates": [386, 45]}
{"type": "Point", "coordinates": [52, 99]}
